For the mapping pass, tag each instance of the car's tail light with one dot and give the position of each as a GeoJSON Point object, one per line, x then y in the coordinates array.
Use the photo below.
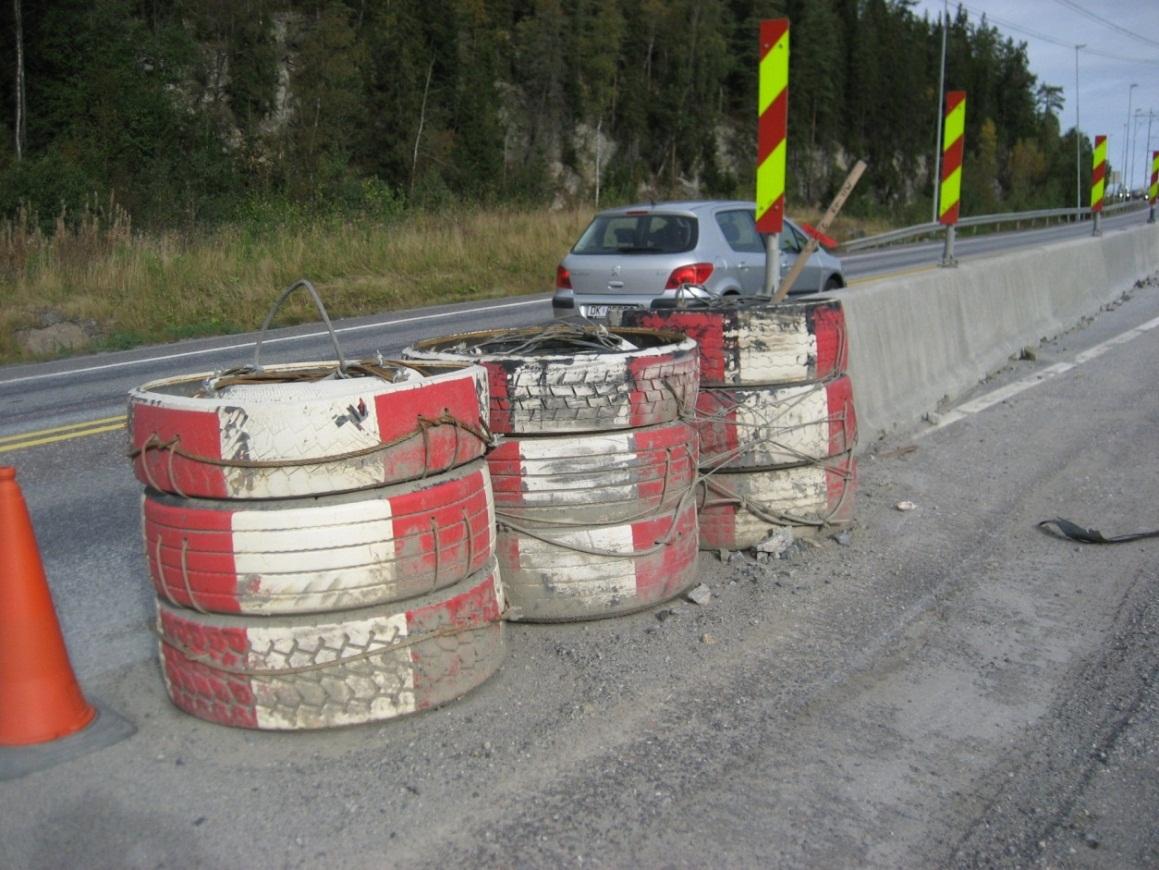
{"type": "Point", "coordinates": [697, 273]}
{"type": "Point", "coordinates": [562, 278]}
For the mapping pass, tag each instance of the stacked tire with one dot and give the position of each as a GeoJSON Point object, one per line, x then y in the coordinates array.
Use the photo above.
{"type": "Point", "coordinates": [775, 416]}
{"type": "Point", "coordinates": [595, 464]}
{"type": "Point", "coordinates": [322, 546]}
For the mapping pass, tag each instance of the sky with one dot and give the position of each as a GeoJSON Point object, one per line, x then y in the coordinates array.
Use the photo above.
{"type": "Point", "coordinates": [1122, 48]}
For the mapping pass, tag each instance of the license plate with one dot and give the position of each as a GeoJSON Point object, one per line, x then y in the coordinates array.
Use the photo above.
{"type": "Point", "coordinates": [602, 312]}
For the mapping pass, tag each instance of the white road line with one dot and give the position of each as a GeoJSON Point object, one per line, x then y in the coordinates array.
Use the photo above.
{"type": "Point", "coordinates": [1001, 394]}
{"type": "Point", "coordinates": [268, 341]}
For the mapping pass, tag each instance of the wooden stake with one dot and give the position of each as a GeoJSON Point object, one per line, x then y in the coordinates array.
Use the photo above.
{"type": "Point", "coordinates": [822, 227]}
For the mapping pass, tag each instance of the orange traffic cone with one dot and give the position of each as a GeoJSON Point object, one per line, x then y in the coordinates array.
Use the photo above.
{"type": "Point", "coordinates": [40, 699]}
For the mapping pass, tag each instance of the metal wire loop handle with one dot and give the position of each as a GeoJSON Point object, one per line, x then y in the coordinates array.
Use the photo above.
{"type": "Point", "coordinates": [301, 282]}
{"type": "Point", "coordinates": [691, 292]}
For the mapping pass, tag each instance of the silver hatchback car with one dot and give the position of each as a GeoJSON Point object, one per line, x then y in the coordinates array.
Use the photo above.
{"type": "Point", "coordinates": [629, 257]}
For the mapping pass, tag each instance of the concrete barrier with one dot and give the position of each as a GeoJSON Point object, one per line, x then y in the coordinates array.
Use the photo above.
{"type": "Point", "coordinates": [919, 339]}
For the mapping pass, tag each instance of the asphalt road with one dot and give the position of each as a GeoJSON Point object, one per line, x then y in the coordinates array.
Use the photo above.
{"type": "Point", "coordinates": [950, 687]}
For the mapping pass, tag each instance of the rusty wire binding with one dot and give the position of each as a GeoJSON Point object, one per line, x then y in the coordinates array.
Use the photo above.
{"type": "Point", "coordinates": [559, 337]}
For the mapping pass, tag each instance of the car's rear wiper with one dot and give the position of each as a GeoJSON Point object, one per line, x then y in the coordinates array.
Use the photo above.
{"type": "Point", "coordinates": [635, 249]}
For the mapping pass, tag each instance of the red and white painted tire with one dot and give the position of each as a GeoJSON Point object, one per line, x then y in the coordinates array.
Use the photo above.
{"type": "Point", "coordinates": [283, 440]}
{"type": "Point", "coordinates": [759, 427]}
{"type": "Point", "coordinates": [561, 576]}
{"type": "Point", "coordinates": [758, 344]}
{"type": "Point", "coordinates": [738, 510]}
{"type": "Point", "coordinates": [323, 554]}
{"type": "Point", "coordinates": [302, 672]}
{"type": "Point", "coordinates": [578, 391]}
{"type": "Point", "coordinates": [598, 477]}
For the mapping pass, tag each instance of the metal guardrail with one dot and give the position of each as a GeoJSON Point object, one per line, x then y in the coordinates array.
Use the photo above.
{"type": "Point", "coordinates": [1011, 217]}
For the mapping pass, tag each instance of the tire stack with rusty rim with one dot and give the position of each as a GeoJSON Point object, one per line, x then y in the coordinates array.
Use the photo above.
{"type": "Point", "coordinates": [775, 416]}
{"type": "Point", "coordinates": [321, 539]}
{"type": "Point", "coordinates": [594, 467]}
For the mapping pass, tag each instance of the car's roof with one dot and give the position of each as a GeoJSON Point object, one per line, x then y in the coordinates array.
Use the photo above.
{"type": "Point", "coordinates": [683, 205]}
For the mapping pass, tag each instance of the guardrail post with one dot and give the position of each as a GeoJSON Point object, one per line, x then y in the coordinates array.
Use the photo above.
{"type": "Point", "coordinates": [948, 251]}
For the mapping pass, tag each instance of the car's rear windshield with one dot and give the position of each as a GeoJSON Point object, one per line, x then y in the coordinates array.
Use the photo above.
{"type": "Point", "coordinates": [650, 233]}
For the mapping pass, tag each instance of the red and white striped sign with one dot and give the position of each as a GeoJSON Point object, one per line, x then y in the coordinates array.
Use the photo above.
{"type": "Point", "coordinates": [589, 573]}
{"type": "Point", "coordinates": [303, 672]}
{"type": "Point", "coordinates": [738, 510]}
{"type": "Point", "coordinates": [293, 439]}
{"type": "Point", "coordinates": [320, 554]}
{"type": "Point", "coordinates": [752, 427]}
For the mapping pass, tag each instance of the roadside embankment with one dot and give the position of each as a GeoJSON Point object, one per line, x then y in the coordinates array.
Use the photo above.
{"type": "Point", "coordinates": [918, 339]}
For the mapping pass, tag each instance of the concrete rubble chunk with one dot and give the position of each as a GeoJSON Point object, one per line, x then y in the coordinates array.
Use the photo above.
{"type": "Point", "coordinates": [777, 543]}
{"type": "Point", "coordinates": [699, 594]}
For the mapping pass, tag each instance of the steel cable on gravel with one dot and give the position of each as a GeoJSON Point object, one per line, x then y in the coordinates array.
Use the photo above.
{"type": "Point", "coordinates": [1075, 532]}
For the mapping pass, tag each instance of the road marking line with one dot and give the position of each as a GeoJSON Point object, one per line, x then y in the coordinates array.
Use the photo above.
{"type": "Point", "coordinates": [1001, 394]}
{"type": "Point", "coordinates": [65, 436]}
{"type": "Point", "coordinates": [265, 342]}
{"type": "Point", "coordinates": [119, 419]}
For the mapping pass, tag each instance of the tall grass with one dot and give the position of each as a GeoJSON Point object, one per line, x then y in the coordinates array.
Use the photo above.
{"type": "Point", "coordinates": [142, 288]}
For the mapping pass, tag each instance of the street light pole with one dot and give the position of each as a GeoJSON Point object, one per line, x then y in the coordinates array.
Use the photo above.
{"type": "Point", "coordinates": [1146, 155]}
{"type": "Point", "coordinates": [941, 104]}
{"type": "Point", "coordinates": [1078, 181]}
{"type": "Point", "coordinates": [1127, 144]}
{"type": "Point", "coordinates": [1135, 138]}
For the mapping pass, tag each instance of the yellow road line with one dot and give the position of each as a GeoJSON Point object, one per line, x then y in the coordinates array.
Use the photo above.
{"type": "Point", "coordinates": [35, 439]}
{"type": "Point", "coordinates": [86, 424]}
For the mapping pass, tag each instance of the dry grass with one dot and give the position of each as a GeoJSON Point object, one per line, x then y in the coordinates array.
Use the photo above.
{"type": "Point", "coordinates": [139, 289]}
{"type": "Point", "coordinates": [131, 288]}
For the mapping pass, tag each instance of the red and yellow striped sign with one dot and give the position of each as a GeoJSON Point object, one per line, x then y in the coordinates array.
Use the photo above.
{"type": "Point", "coordinates": [1153, 193]}
{"type": "Point", "coordinates": [1098, 173]}
{"type": "Point", "coordinates": [772, 124]}
{"type": "Point", "coordinates": [953, 146]}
